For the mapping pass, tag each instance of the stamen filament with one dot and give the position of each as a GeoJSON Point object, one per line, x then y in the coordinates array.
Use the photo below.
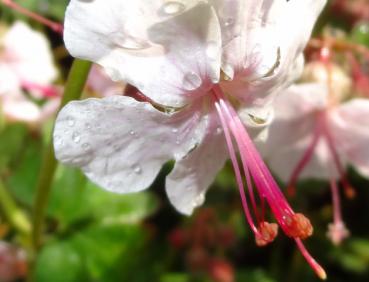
{"type": "Point", "coordinates": [311, 261]}
{"type": "Point", "coordinates": [236, 168]}
{"type": "Point", "coordinates": [291, 190]}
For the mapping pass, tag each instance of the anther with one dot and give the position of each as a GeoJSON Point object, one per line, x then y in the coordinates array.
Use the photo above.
{"type": "Point", "coordinates": [337, 232]}
{"type": "Point", "coordinates": [298, 226]}
{"type": "Point", "coordinates": [267, 233]}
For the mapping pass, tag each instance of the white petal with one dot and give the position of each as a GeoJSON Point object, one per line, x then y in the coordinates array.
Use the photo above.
{"type": "Point", "coordinates": [120, 143]}
{"type": "Point", "coordinates": [268, 40]}
{"type": "Point", "coordinates": [169, 50]}
{"type": "Point", "coordinates": [8, 80]}
{"type": "Point", "coordinates": [191, 177]}
{"type": "Point", "coordinates": [17, 107]}
{"type": "Point", "coordinates": [350, 129]}
{"type": "Point", "coordinates": [28, 53]}
{"type": "Point", "coordinates": [292, 130]}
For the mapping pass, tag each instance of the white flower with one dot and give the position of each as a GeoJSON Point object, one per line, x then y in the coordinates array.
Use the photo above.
{"type": "Point", "coordinates": [184, 56]}
{"type": "Point", "coordinates": [26, 64]}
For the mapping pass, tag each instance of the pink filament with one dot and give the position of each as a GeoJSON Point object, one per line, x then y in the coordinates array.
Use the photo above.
{"type": "Point", "coordinates": [254, 166]}
{"type": "Point", "coordinates": [304, 161]}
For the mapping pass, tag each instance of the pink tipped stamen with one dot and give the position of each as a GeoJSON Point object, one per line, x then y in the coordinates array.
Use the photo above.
{"type": "Point", "coordinates": [311, 261]}
{"type": "Point", "coordinates": [46, 91]}
{"type": "Point", "coordinates": [349, 191]}
{"type": "Point", "coordinates": [57, 27]}
{"type": "Point", "coordinates": [295, 225]}
{"type": "Point", "coordinates": [337, 230]}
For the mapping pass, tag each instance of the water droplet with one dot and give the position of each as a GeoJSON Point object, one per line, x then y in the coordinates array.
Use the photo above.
{"type": "Point", "coordinates": [171, 8]}
{"type": "Point", "coordinates": [88, 126]}
{"type": "Point", "coordinates": [191, 81]}
{"type": "Point", "coordinates": [58, 141]}
{"type": "Point", "coordinates": [228, 22]}
{"type": "Point", "coordinates": [71, 122]}
{"type": "Point", "coordinates": [132, 132]}
{"type": "Point", "coordinates": [212, 50]}
{"type": "Point", "coordinates": [137, 169]}
{"type": "Point", "coordinates": [219, 130]}
{"type": "Point", "coordinates": [86, 146]}
{"type": "Point", "coordinates": [76, 137]}
{"type": "Point", "coordinates": [174, 130]}
{"type": "Point", "coordinates": [199, 200]}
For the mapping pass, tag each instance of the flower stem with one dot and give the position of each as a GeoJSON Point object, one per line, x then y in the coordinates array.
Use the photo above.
{"type": "Point", "coordinates": [15, 216]}
{"type": "Point", "coordinates": [73, 90]}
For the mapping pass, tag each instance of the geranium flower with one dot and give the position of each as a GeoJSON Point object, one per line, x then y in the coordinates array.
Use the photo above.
{"type": "Point", "coordinates": [201, 65]}
{"type": "Point", "coordinates": [26, 66]}
{"type": "Point", "coordinates": [319, 129]}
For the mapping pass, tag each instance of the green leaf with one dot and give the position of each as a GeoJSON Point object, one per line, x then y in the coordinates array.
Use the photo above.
{"type": "Point", "coordinates": [99, 253]}
{"type": "Point", "coordinates": [74, 198]}
{"type": "Point", "coordinates": [60, 263]}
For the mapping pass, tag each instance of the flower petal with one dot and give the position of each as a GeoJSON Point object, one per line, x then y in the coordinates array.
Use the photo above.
{"type": "Point", "coordinates": [191, 177]}
{"type": "Point", "coordinates": [265, 53]}
{"type": "Point", "coordinates": [292, 129]}
{"type": "Point", "coordinates": [28, 53]}
{"type": "Point", "coordinates": [350, 129]}
{"type": "Point", "coordinates": [169, 50]}
{"type": "Point", "coordinates": [121, 143]}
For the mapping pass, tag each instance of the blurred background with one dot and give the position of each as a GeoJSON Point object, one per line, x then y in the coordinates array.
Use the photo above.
{"type": "Point", "coordinates": [92, 235]}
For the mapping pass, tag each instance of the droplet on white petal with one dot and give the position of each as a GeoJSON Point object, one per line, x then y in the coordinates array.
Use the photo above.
{"type": "Point", "coordinates": [132, 132]}
{"type": "Point", "coordinates": [212, 50]}
{"type": "Point", "coordinates": [171, 8]}
{"type": "Point", "coordinates": [71, 122]}
{"type": "Point", "coordinates": [199, 200]}
{"type": "Point", "coordinates": [58, 141]}
{"type": "Point", "coordinates": [76, 137]}
{"type": "Point", "coordinates": [191, 81]}
{"type": "Point", "coordinates": [137, 169]}
{"type": "Point", "coordinates": [229, 22]}
{"type": "Point", "coordinates": [86, 146]}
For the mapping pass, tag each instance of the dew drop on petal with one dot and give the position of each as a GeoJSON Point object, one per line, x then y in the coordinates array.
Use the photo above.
{"type": "Point", "coordinates": [228, 22]}
{"type": "Point", "coordinates": [86, 146]}
{"type": "Point", "coordinates": [71, 122]}
{"type": "Point", "coordinates": [212, 50]}
{"type": "Point", "coordinates": [191, 81]}
{"type": "Point", "coordinates": [199, 200]}
{"type": "Point", "coordinates": [76, 137]}
{"type": "Point", "coordinates": [58, 141]}
{"type": "Point", "coordinates": [137, 169]}
{"type": "Point", "coordinates": [174, 130]}
{"type": "Point", "coordinates": [132, 133]}
{"type": "Point", "coordinates": [172, 8]}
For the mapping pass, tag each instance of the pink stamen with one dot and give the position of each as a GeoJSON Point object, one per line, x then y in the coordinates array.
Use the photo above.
{"type": "Point", "coordinates": [236, 168]}
{"type": "Point", "coordinates": [57, 27]}
{"type": "Point", "coordinates": [293, 224]}
{"type": "Point", "coordinates": [291, 190]}
{"type": "Point", "coordinates": [337, 231]}
{"type": "Point", "coordinates": [349, 191]}
{"type": "Point", "coordinates": [311, 261]}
